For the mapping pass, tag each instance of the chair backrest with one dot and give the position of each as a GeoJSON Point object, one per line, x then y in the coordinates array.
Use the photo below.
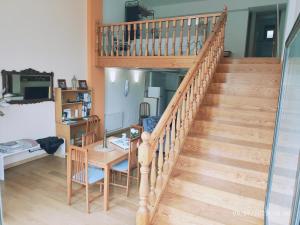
{"type": "Point", "coordinates": [77, 164]}
{"type": "Point", "coordinates": [93, 125]}
{"type": "Point", "coordinates": [133, 153]}
{"type": "Point", "coordinates": [88, 138]}
{"type": "Point", "coordinates": [144, 109]}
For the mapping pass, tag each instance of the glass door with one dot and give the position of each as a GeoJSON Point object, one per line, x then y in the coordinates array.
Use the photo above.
{"type": "Point", "coordinates": [282, 201]}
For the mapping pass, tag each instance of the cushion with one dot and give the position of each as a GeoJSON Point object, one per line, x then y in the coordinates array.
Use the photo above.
{"type": "Point", "coordinates": [150, 123]}
{"type": "Point", "coordinates": [121, 167]}
{"type": "Point", "coordinates": [95, 174]}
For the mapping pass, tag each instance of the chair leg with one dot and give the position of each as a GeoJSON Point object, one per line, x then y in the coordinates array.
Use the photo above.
{"type": "Point", "coordinates": [87, 198]}
{"type": "Point", "coordinates": [128, 183]}
{"type": "Point", "coordinates": [69, 192]}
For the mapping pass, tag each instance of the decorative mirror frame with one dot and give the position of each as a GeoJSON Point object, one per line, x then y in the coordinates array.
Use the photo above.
{"type": "Point", "coordinates": [27, 72]}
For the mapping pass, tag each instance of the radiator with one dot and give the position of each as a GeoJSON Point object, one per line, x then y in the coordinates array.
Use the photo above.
{"type": "Point", "coordinates": [114, 121]}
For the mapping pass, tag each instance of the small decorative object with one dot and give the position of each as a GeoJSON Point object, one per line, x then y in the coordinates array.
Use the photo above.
{"type": "Point", "coordinates": [82, 84]}
{"type": "Point", "coordinates": [74, 83]}
{"type": "Point", "coordinates": [62, 84]}
{"type": "Point", "coordinates": [126, 88]}
{"type": "Point", "coordinates": [105, 139]}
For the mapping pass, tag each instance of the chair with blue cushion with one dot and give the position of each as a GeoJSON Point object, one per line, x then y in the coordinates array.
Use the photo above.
{"type": "Point", "coordinates": [79, 171]}
{"type": "Point", "coordinates": [127, 166]}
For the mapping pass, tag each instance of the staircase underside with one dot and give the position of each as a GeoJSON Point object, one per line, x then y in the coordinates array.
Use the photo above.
{"type": "Point", "coordinates": [221, 174]}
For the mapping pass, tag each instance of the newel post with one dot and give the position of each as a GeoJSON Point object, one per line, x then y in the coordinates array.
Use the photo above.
{"type": "Point", "coordinates": [144, 156]}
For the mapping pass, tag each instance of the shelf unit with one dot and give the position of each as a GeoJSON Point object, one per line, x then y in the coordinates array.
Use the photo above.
{"type": "Point", "coordinates": [69, 99]}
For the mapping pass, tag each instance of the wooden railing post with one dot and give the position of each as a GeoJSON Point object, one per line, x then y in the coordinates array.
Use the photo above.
{"type": "Point", "coordinates": [145, 158]}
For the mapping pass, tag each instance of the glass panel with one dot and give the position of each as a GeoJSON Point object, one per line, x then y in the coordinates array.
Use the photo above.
{"type": "Point", "coordinates": [285, 164]}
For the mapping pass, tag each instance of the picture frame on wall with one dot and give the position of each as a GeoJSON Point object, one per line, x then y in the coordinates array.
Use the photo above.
{"type": "Point", "coordinates": [82, 85]}
{"type": "Point", "coordinates": [62, 84]}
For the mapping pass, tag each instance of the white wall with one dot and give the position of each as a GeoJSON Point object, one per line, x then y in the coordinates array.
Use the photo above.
{"type": "Point", "coordinates": [46, 35]}
{"type": "Point", "coordinates": [116, 101]}
{"type": "Point", "coordinates": [293, 11]}
{"type": "Point", "coordinates": [236, 28]}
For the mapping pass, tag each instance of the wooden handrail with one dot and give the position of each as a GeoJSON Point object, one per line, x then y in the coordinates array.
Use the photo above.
{"type": "Point", "coordinates": [159, 151]}
{"type": "Point", "coordinates": [132, 38]}
{"type": "Point", "coordinates": [164, 19]}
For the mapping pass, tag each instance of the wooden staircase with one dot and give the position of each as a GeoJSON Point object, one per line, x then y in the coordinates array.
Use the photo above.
{"type": "Point", "coordinates": [221, 173]}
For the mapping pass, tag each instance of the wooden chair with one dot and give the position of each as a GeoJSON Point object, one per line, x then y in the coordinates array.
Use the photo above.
{"type": "Point", "coordinates": [93, 125]}
{"type": "Point", "coordinates": [127, 166]}
{"type": "Point", "coordinates": [144, 111]}
{"type": "Point", "coordinates": [88, 138]}
{"type": "Point", "coordinates": [78, 171]}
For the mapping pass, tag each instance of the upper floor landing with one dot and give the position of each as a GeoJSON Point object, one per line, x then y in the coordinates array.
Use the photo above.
{"type": "Point", "coordinates": [161, 43]}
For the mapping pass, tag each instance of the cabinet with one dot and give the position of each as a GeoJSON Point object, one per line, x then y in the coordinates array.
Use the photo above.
{"type": "Point", "coordinates": [72, 109]}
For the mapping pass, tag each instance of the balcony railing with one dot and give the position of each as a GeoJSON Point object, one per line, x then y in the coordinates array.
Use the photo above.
{"type": "Point", "coordinates": [179, 36]}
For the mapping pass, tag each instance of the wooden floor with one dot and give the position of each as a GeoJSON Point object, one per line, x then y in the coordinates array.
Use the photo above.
{"type": "Point", "coordinates": [35, 194]}
{"type": "Point", "coordinates": [221, 174]}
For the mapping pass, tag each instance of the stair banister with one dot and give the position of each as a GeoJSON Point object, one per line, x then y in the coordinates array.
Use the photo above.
{"type": "Point", "coordinates": [159, 151]}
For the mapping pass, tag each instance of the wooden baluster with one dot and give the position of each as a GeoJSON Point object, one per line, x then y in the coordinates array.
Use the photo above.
{"type": "Point", "coordinates": [112, 41]}
{"type": "Point", "coordinates": [188, 37]}
{"type": "Point", "coordinates": [214, 19]}
{"type": "Point", "coordinates": [174, 37]}
{"type": "Point", "coordinates": [129, 40]}
{"type": "Point", "coordinates": [183, 110]}
{"type": "Point", "coordinates": [153, 38]}
{"type": "Point", "coordinates": [196, 35]}
{"type": "Point", "coordinates": [167, 39]}
{"type": "Point", "coordinates": [187, 109]}
{"type": "Point", "coordinates": [199, 86]}
{"type": "Point", "coordinates": [195, 92]}
{"type": "Point", "coordinates": [178, 130]}
{"type": "Point", "coordinates": [106, 42]}
{"type": "Point", "coordinates": [144, 157]}
{"type": "Point", "coordinates": [147, 39]}
{"type": "Point", "coordinates": [134, 39]}
{"type": "Point", "coordinates": [173, 137]}
{"type": "Point", "coordinates": [167, 151]}
{"type": "Point", "coordinates": [118, 35]}
{"type": "Point", "coordinates": [141, 39]}
{"type": "Point", "coordinates": [191, 110]}
{"type": "Point", "coordinates": [205, 30]}
{"type": "Point", "coordinates": [101, 41]}
{"type": "Point", "coordinates": [123, 40]}
{"type": "Point", "coordinates": [160, 36]}
{"type": "Point", "coordinates": [159, 180]}
{"type": "Point", "coordinates": [181, 36]}
{"type": "Point", "coordinates": [152, 195]}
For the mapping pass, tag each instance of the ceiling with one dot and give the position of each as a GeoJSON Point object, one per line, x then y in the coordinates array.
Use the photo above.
{"type": "Point", "coordinates": [166, 2]}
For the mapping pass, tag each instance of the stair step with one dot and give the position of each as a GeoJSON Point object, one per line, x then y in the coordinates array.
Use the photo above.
{"type": "Point", "coordinates": [216, 192]}
{"type": "Point", "coordinates": [223, 171]}
{"type": "Point", "coordinates": [227, 150]}
{"type": "Point", "coordinates": [247, 117]}
{"type": "Point", "coordinates": [240, 102]}
{"type": "Point", "coordinates": [179, 210]}
{"type": "Point", "coordinates": [243, 90]}
{"type": "Point", "coordinates": [250, 60]}
{"type": "Point", "coordinates": [249, 79]}
{"type": "Point", "coordinates": [249, 68]}
{"type": "Point", "coordinates": [260, 135]}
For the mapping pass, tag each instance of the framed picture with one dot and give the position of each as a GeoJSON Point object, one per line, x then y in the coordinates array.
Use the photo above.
{"type": "Point", "coordinates": [82, 85]}
{"type": "Point", "coordinates": [61, 83]}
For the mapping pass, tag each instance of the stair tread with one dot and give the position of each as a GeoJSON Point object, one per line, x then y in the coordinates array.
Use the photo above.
{"type": "Point", "coordinates": [177, 205]}
{"type": "Point", "coordinates": [223, 171]}
{"type": "Point", "coordinates": [227, 150]}
{"type": "Point", "coordinates": [226, 161]}
{"type": "Point", "coordinates": [241, 102]}
{"type": "Point", "coordinates": [244, 116]}
{"type": "Point", "coordinates": [251, 60]}
{"type": "Point", "coordinates": [246, 133]}
{"type": "Point", "coordinates": [233, 141]}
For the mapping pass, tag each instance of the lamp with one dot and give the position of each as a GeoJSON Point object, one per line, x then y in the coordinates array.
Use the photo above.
{"type": "Point", "coordinates": [136, 76]}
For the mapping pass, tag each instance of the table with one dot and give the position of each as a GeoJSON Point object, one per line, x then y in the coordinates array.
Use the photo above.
{"type": "Point", "coordinates": [105, 160]}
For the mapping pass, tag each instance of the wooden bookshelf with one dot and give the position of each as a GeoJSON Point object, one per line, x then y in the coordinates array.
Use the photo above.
{"type": "Point", "coordinates": [71, 129]}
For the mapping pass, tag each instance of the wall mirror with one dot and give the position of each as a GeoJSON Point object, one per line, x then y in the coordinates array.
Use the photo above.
{"type": "Point", "coordinates": [27, 86]}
